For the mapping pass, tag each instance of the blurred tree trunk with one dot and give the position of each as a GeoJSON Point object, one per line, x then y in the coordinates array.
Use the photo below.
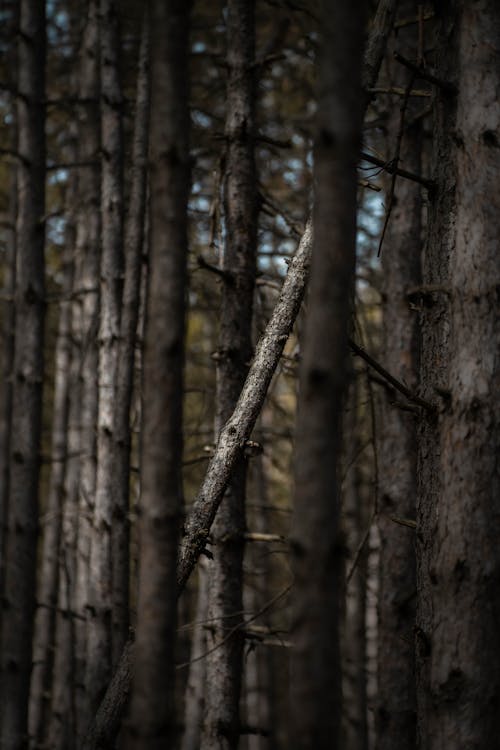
{"type": "Point", "coordinates": [18, 600]}
{"type": "Point", "coordinates": [225, 573]}
{"type": "Point", "coordinates": [356, 512]}
{"type": "Point", "coordinates": [316, 540]}
{"type": "Point", "coordinates": [401, 262]}
{"type": "Point", "coordinates": [51, 523]}
{"type": "Point", "coordinates": [458, 609]}
{"type": "Point", "coordinates": [152, 712]}
{"type": "Point", "coordinates": [69, 699]}
{"type": "Point", "coordinates": [196, 682]}
{"type": "Point", "coordinates": [134, 242]}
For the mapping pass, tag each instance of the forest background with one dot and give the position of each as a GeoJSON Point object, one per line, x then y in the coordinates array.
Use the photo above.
{"type": "Point", "coordinates": [236, 514]}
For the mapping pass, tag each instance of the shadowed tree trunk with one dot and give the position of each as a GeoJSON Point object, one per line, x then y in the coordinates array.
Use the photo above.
{"type": "Point", "coordinates": [51, 523]}
{"type": "Point", "coordinates": [401, 254]}
{"type": "Point", "coordinates": [458, 511]}
{"type": "Point", "coordinates": [152, 714]}
{"type": "Point", "coordinates": [99, 634]}
{"type": "Point", "coordinates": [18, 598]}
{"type": "Point", "coordinates": [134, 241]}
{"type": "Point", "coordinates": [225, 573]}
{"type": "Point", "coordinates": [316, 543]}
{"type": "Point", "coordinates": [69, 699]}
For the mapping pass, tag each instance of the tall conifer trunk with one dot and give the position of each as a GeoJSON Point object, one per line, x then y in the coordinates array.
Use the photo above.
{"type": "Point", "coordinates": [225, 573]}
{"type": "Point", "coordinates": [458, 518]}
{"type": "Point", "coordinates": [18, 596]}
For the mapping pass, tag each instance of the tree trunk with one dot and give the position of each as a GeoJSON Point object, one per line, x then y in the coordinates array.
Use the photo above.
{"type": "Point", "coordinates": [48, 579]}
{"type": "Point", "coordinates": [316, 543]}
{"type": "Point", "coordinates": [401, 253]}
{"type": "Point", "coordinates": [21, 543]}
{"type": "Point", "coordinates": [225, 573]}
{"type": "Point", "coordinates": [194, 698]}
{"type": "Point", "coordinates": [458, 519]}
{"type": "Point", "coordinates": [134, 240]}
{"type": "Point", "coordinates": [356, 516]}
{"type": "Point", "coordinates": [101, 566]}
{"type": "Point", "coordinates": [152, 715]}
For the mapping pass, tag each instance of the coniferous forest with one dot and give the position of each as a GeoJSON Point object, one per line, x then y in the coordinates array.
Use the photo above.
{"type": "Point", "coordinates": [250, 375]}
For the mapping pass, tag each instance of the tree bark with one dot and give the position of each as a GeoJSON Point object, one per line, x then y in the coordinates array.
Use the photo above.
{"type": "Point", "coordinates": [134, 241]}
{"type": "Point", "coordinates": [152, 713]}
{"type": "Point", "coordinates": [48, 579]}
{"type": "Point", "coordinates": [458, 524]}
{"type": "Point", "coordinates": [225, 573]}
{"type": "Point", "coordinates": [401, 270]}
{"type": "Point", "coordinates": [102, 564]}
{"type": "Point", "coordinates": [316, 544]}
{"type": "Point", "coordinates": [21, 542]}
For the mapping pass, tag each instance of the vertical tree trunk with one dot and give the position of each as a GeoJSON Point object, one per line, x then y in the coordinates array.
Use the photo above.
{"type": "Point", "coordinates": [99, 635]}
{"type": "Point", "coordinates": [19, 590]}
{"type": "Point", "coordinates": [134, 236]}
{"type": "Point", "coordinates": [224, 664]}
{"type": "Point", "coordinates": [196, 683]}
{"type": "Point", "coordinates": [69, 699]}
{"type": "Point", "coordinates": [316, 544]}
{"type": "Point", "coordinates": [48, 579]}
{"type": "Point", "coordinates": [458, 608]}
{"type": "Point", "coordinates": [401, 254]}
{"type": "Point", "coordinates": [356, 513]}
{"type": "Point", "coordinates": [152, 719]}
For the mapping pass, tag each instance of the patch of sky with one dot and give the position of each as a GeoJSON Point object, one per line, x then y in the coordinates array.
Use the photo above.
{"type": "Point", "coordinates": [57, 176]}
{"type": "Point", "coordinates": [200, 118]}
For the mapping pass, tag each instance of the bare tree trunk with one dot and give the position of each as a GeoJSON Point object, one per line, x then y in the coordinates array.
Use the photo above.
{"type": "Point", "coordinates": [48, 579]}
{"type": "Point", "coordinates": [152, 715]}
{"type": "Point", "coordinates": [134, 240]}
{"type": "Point", "coordinates": [225, 574]}
{"type": "Point", "coordinates": [195, 689]}
{"type": "Point", "coordinates": [69, 699]}
{"type": "Point", "coordinates": [316, 540]}
{"type": "Point", "coordinates": [19, 589]}
{"type": "Point", "coordinates": [401, 261]}
{"type": "Point", "coordinates": [458, 519]}
{"type": "Point", "coordinates": [356, 513]}
{"type": "Point", "coordinates": [99, 635]}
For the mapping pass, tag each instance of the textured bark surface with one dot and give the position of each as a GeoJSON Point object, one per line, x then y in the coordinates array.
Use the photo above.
{"type": "Point", "coordinates": [102, 564]}
{"type": "Point", "coordinates": [51, 521]}
{"type": "Point", "coordinates": [316, 546]}
{"type": "Point", "coordinates": [152, 716]}
{"type": "Point", "coordinates": [18, 596]}
{"type": "Point", "coordinates": [225, 573]}
{"type": "Point", "coordinates": [401, 262]}
{"type": "Point", "coordinates": [459, 482]}
{"type": "Point", "coordinates": [134, 236]}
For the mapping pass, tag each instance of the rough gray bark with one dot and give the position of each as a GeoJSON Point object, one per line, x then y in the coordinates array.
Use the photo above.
{"type": "Point", "coordinates": [51, 522]}
{"type": "Point", "coordinates": [134, 240]}
{"type": "Point", "coordinates": [18, 596]}
{"type": "Point", "coordinates": [152, 713]}
{"type": "Point", "coordinates": [102, 564]}
{"type": "Point", "coordinates": [458, 526]}
{"type": "Point", "coordinates": [221, 727]}
{"type": "Point", "coordinates": [238, 428]}
{"type": "Point", "coordinates": [401, 262]}
{"type": "Point", "coordinates": [316, 545]}
{"type": "Point", "coordinates": [69, 700]}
